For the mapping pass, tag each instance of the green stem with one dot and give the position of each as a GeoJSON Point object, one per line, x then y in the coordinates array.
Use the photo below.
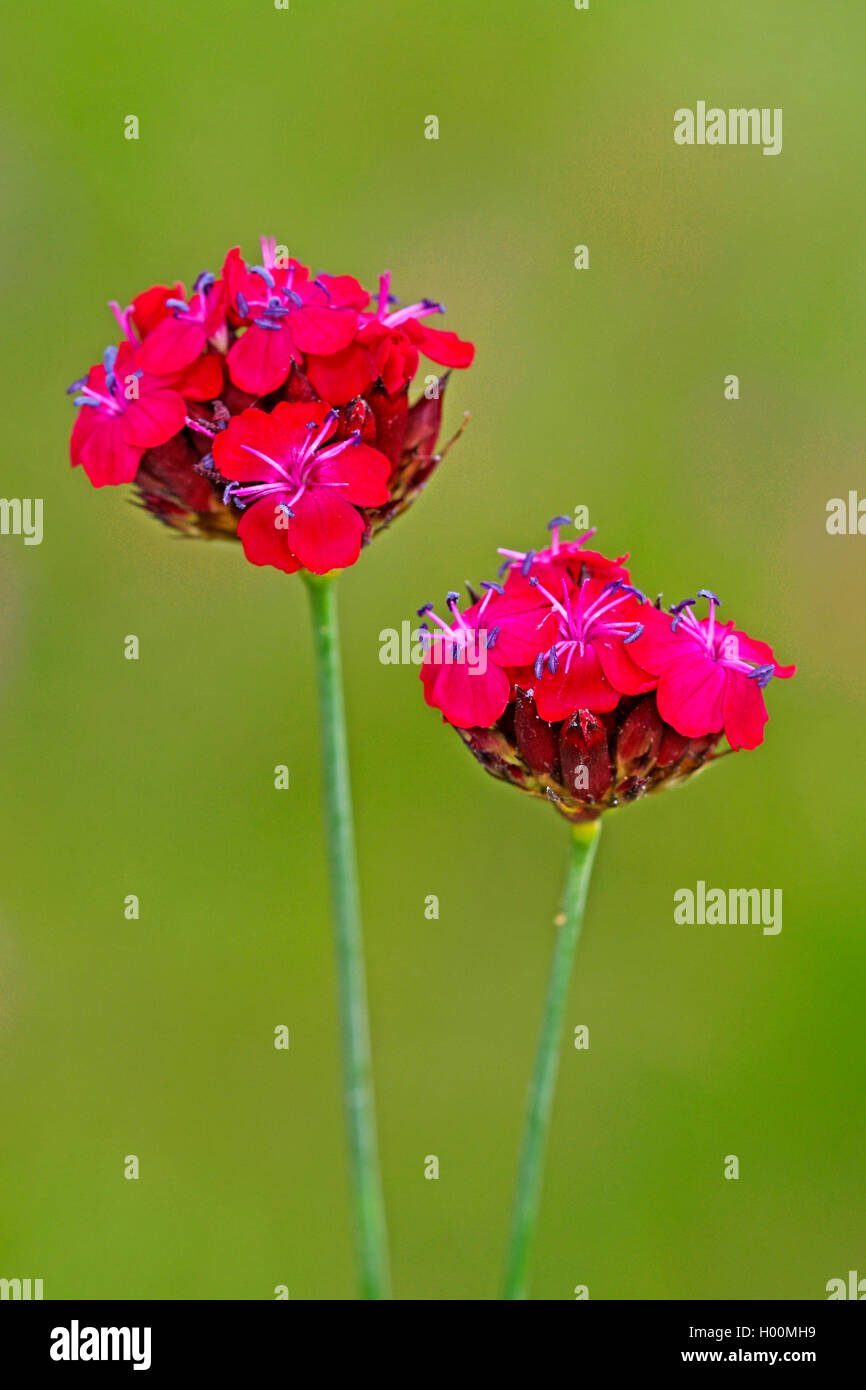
{"type": "Point", "coordinates": [540, 1099]}
{"type": "Point", "coordinates": [364, 1177]}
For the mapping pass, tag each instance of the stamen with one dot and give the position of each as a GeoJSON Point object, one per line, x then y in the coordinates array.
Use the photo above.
{"type": "Point", "coordinates": [199, 428]}
{"type": "Point", "coordinates": [762, 674]}
{"type": "Point", "coordinates": [124, 317]}
{"type": "Point", "coordinates": [264, 275]}
{"type": "Point", "coordinates": [636, 632]}
{"type": "Point", "coordinates": [384, 287]}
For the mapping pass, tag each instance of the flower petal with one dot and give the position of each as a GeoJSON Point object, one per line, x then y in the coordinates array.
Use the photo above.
{"type": "Point", "coordinates": [262, 532]}
{"type": "Point", "coordinates": [171, 346]}
{"type": "Point", "coordinates": [261, 359]}
{"type": "Point", "coordinates": [691, 695]}
{"type": "Point", "coordinates": [359, 472]}
{"type": "Point", "coordinates": [251, 430]}
{"type": "Point", "coordinates": [325, 532]}
{"type": "Point", "coordinates": [107, 457]}
{"type": "Point", "coordinates": [745, 711]}
{"type": "Point", "coordinates": [619, 668]}
{"type": "Point", "coordinates": [323, 331]}
{"type": "Point", "coordinates": [468, 697]}
{"type": "Point", "coordinates": [444, 347]}
{"type": "Point", "coordinates": [153, 418]}
{"type": "Point", "coordinates": [578, 683]}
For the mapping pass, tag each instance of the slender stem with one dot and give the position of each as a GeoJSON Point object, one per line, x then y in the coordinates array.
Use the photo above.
{"type": "Point", "coordinates": [540, 1099]}
{"type": "Point", "coordinates": [364, 1176]}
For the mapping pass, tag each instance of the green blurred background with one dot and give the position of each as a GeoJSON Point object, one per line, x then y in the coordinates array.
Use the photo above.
{"type": "Point", "coordinates": [601, 387]}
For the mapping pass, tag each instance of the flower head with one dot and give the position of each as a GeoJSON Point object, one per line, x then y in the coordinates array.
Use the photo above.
{"type": "Point", "coordinates": [592, 696]}
{"type": "Point", "coordinates": [199, 407]}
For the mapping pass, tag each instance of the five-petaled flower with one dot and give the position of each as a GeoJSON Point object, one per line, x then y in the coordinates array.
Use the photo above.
{"type": "Point", "coordinates": [710, 675]}
{"type": "Point", "coordinates": [123, 412]}
{"type": "Point", "coordinates": [385, 348]}
{"type": "Point", "coordinates": [299, 488]}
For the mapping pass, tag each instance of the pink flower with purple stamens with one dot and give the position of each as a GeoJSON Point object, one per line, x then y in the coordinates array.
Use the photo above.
{"type": "Point", "coordinates": [710, 675]}
{"type": "Point", "coordinates": [385, 349]}
{"type": "Point", "coordinates": [571, 556]}
{"type": "Point", "coordinates": [458, 675]}
{"type": "Point", "coordinates": [184, 331]}
{"type": "Point", "coordinates": [463, 668]}
{"type": "Point", "coordinates": [588, 665]}
{"type": "Point", "coordinates": [300, 494]}
{"type": "Point", "coordinates": [286, 315]}
{"type": "Point", "coordinates": [124, 411]}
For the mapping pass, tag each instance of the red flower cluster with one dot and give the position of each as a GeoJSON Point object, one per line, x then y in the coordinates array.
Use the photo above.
{"type": "Point", "coordinates": [565, 680]}
{"type": "Point", "coordinates": [268, 404]}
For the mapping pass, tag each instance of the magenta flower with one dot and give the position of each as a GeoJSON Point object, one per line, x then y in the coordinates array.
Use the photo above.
{"type": "Point", "coordinates": [286, 315]}
{"type": "Point", "coordinates": [710, 676]}
{"type": "Point", "coordinates": [123, 412]}
{"type": "Point", "coordinates": [184, 331]}
{"type": "Point", "coordinates": [463, 665]}
{"type": "Point", "coordinates": [386, 348]}
{"type": "Point", "coordinates": [588, 665]}
{"type": "Point", "coordinates": [572, 557]}
{"type": "Point", "coordinates": [299, 494]}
